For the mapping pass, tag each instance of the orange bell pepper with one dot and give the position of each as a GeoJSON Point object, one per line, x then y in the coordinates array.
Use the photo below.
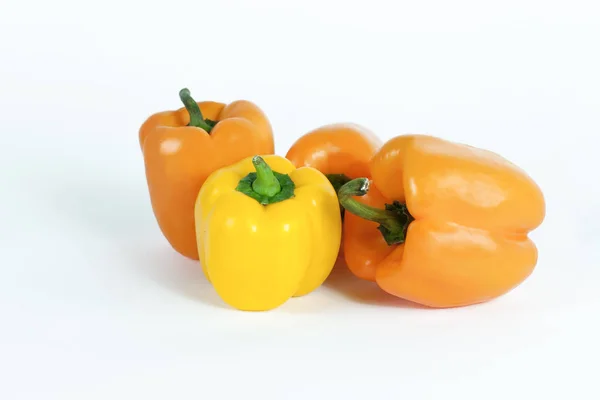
{"type": "Point", "coordinates": [441, 224]}
{"type": "Point", "coordinates": [182, 148]}
{"type": "Point", "coordinates": [341, 151]}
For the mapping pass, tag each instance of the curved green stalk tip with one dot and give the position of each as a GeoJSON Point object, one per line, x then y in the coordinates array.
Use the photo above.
{"type": "Point", "coordinates": [196, 117]}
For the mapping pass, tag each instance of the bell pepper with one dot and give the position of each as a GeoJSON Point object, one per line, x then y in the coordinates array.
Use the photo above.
{"type": "Point", "coordinates": [441, 224]}
{"type": "Point", "coordinates": [266, 231]}
{"type": "Point", "coordinates": [341, 151]}
{"type": "Point", "coordinates": [181, 148]}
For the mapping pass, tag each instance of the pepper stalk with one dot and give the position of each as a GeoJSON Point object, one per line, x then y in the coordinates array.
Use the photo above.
{"type": "Point", "coordinates": [196, 117]}
{"type": "Point", "coordinates": [393, 220]}
{"type": "Point", "coordinates": [265, 185]}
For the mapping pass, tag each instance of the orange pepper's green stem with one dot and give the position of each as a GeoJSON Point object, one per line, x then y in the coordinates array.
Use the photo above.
{"type": "Point", "coordinates": [265, 185]}
{"type": "Point", "coordinates": [393, 220]}
{"type": "Point", "coordinates": [196, 117]}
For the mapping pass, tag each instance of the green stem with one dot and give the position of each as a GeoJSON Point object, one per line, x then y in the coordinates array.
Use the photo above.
{"type": "Point", "coordinates": [265, 185]}
{"type": "Point", "coordinates": [393, 220]}
{"type": "Point", "coordinates": [196, 117]}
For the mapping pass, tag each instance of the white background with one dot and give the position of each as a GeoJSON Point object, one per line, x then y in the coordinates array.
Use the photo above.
{"type": "Point", "coordinates": [95, 305]}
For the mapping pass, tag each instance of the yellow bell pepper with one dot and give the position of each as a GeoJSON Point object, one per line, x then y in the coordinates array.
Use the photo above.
{"type": "Point", "coordinates": [266, 231]}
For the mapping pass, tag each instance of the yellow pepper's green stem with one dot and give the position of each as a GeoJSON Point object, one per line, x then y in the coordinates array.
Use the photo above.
{"type": "Point", "coordinates": [393, 220]}
{"type": "Point", "coordinates": [265, 184]}
{"type": "Point", "coordinates": [196, 117]}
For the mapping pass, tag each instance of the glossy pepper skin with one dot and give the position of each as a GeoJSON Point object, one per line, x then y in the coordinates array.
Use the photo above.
{"type": "Point", "coordinates": [266, 231]}
{"type": "Point", "coordinates": [342, 151]}
{"type": "Point", "coordinates": [455, 231]}
{"type": "Point", "coordinates": [182, 148]}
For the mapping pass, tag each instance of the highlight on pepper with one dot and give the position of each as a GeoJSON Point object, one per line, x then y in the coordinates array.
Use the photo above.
{"type": "Point", "coordinates": [440, 223]}
{"type": "Point", "coordinates": [266, 231]}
